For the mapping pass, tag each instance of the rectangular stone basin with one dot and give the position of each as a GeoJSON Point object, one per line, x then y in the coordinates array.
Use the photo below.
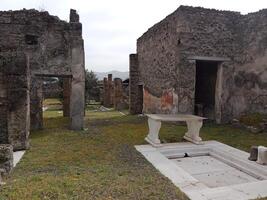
{"type": "Point", "coordinates": [212, 171]}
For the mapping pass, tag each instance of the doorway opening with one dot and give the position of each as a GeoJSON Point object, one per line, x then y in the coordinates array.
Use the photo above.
{"type": "Point", "coordinates": [53, 96]}
{"type": "Point", "coordinates": [50, 98]}
{"type": "Point", "coordinates": [205, 88]}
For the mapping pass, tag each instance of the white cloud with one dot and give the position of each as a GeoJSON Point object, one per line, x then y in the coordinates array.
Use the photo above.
{"type": "Point", "coordinates": [111, 27]}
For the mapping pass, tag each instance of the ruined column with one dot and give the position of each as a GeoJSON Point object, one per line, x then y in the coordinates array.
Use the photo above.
{"type": "Point", "coordinates": [18, 82]}
{"type": "Point", "coordinates": [36, 107]}
{"type": "Point", "coordinates": [105, 92]}
{"type": "Point", "coordinates": [3, 105]}
{"type": "Point", "coordinates": [135, 106]}
{"type": "Point", "coordinates": [66, 96]}
{"type": "Point", "coordinates": [118, 94]}
{"type": "Point", "coordinates": [77, 96]}
{"type": "Point", "coordinates": [110, 93]}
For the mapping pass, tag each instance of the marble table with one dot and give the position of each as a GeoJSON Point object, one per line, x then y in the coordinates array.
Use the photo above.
{"type": "Point", "coordinates": [194, 124]}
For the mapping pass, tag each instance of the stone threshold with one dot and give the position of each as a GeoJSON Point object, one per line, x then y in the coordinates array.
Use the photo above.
{"type": "Point", "coordinates": [17, 156]}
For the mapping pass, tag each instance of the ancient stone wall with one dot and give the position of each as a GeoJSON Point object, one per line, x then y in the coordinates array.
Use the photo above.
{"type": "Point", "coordinates": [157, 61]}
{"type": "Point", "coordinates": [52, 90]}
{"type": "Point", "coordinates": [250, 75]}
{"type": "Point", "coordinates": [168, 52]}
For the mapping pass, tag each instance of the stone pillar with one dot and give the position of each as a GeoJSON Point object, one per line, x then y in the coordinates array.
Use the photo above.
{"type": "Point", "coordinates": [101, 95]}
{"type": "Point", "coordinates": [108, 91]}
{"type": "Point", "coordinates": [36, 107]}
{"type": "Point", "coordinates": [77, 96]}
{"type": "Point", "coordinates": [135, 106]}
{"type": "Point", "coordinates": [18, 82]}
{"type": "Point", "coordinates": [66, 96]}
{"type": "Point", "coordinates": [105, 92]}
{"type": "Point", "coordinates": [110, 94]}
{"type": "Point", "coordinates": [3, 108]}
{"type": "Point", "coordinates": [118, 94]}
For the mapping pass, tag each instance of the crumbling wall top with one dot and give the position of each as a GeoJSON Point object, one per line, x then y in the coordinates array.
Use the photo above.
{"type": "Point", "coordinates": [74, 17]}
{"type": "Point", "coordinates": [28, 17]}
{"type": "Point", "coordinates": [184, 12]}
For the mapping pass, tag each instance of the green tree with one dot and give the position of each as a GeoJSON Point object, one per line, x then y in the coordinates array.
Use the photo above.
{"type": "Point", "coordinates": [92, 91]}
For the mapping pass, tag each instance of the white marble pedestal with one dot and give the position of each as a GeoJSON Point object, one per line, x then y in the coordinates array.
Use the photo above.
{"type": "Point", "coordinates": [194, 124]}
{"type": "Point", "coordinates": [262, 155]}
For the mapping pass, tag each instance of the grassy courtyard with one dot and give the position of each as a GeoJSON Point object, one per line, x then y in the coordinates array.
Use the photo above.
{"type": "Point", "coordinates": [101, 161]}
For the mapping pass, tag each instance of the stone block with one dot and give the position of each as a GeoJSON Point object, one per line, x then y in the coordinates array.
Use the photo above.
{"type": "Point", "coordinates": [253, 153]}
{"type": "Point", "coordinates": [6, 158]}
{"type": "Point", "coordinates": [262, 155]}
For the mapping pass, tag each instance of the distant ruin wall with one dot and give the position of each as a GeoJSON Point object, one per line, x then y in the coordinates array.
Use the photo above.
{"type": "Point", "coordinates": [115, 93]}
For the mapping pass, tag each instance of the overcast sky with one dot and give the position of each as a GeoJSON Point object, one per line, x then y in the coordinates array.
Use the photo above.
{"type": "Point", "coordinates": [111, 27]}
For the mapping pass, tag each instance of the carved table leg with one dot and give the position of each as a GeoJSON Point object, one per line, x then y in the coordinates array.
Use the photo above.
{"type": "Point", "coordinates": [153, 134]}
{"type": "Point", "coordinates": [192, 134]}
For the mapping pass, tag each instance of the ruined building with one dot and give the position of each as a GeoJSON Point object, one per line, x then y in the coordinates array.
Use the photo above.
{"type": "Point", "coordinates": [34, 45]}
{"type": "Point", "coordinates": [203, 61]}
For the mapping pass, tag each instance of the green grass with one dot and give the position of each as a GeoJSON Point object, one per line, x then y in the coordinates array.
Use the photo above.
{"type": "Point", "coordinates": [253, 119]}
{"type": "Point", "coordinates": [53, 105]}
{"type": "Point", "coordinates": [101, 162]}
{"type": "Point", "coordinates": [51, 101]}
{"type": "Point", "coordinates": [92, 107]}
